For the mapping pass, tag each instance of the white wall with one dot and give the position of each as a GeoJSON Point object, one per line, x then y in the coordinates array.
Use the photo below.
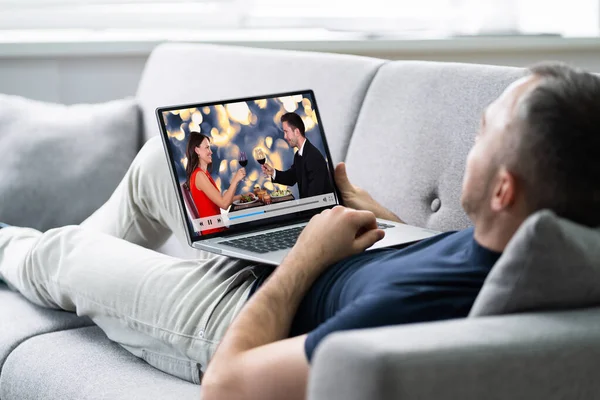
{"type": "Point", "coordinates": [71, 80]}
{"type": "Point", "coordinates": [85, 75]}
{"type": "Point", "coordinates": [588, 59]}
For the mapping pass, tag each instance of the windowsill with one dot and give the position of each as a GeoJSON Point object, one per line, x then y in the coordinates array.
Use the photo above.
{"type": "Point", "coordinates": [119, 42]}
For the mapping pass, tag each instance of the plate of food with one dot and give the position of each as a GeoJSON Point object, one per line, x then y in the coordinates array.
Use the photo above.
{"type": "Point", "coordinates": [280, 193]}
{"type": "Point", "coordinates": [247, 198]}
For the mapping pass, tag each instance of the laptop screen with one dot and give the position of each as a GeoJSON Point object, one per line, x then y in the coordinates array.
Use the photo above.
{"type": "Point", "coordinates": [247, 164]}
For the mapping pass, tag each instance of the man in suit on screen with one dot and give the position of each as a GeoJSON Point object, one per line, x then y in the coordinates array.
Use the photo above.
{"type": "Point", "coordinates": [309, 169]}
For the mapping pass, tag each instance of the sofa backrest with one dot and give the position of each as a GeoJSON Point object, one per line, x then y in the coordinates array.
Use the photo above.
{"type": "Point", "coordinates": [179, 73]}
{"type": "Point", "coordinates": [403, 127]}
{"type": "Point", "coordinates": [414, 131]}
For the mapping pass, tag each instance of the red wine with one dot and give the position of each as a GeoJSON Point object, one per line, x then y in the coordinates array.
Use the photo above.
{"type": "Point", "coordinates": [243, 163]}
{"type": "Point", "coordinates": [261, 161]}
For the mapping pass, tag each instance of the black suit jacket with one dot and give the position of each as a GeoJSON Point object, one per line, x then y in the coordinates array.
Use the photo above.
{"type": "Point", "coordinates": [309, 171]}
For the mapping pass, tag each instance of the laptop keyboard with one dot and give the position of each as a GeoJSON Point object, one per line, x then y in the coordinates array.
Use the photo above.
{"type": "Point", "coordinates": [273, 241]}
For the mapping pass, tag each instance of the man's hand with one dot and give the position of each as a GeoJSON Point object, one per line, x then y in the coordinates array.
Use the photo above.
{"type": "Point", "coordinates": [267, 169]}
{"type": "Point", "coordinates": [353, 196]}
{"type": "Point", "coordinates": [359, 199]}
{"type": "Point", "coordinates": [335, 234]}
{"type": "Point", "coordinates": [255, 359]}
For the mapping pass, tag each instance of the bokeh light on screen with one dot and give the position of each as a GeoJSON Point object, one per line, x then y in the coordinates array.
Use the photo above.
{"type": "Point", "coordinates": [185, 115]}
{"type": "Point", "coordinates": [309, 123]}
{"type": "Point", "coordinates": [289, 103]}
{"type": "Point", "coordinates": [239, 112]}
{"type": "Point", "coordinates": [243, 126]}
{"type": "Point", "coordinates": [193, 127]}
{"type": "Point", "coordinates": [197, 117]}
{"type": "Point", "coordinates": [223, 167]}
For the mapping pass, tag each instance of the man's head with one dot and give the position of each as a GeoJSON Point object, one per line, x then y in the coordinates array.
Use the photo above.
{"type": "Point", "coordinates": [536, 148]}
{"type": "Point", "coordinates": [293, 129]}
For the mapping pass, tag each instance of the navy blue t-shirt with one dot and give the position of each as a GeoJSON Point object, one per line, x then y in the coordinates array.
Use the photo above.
{"type": "Point", "coordinates": [435, 279]}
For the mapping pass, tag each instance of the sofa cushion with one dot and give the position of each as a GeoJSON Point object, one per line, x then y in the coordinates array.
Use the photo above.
{"type": "Point", "coordinates": [21, 320]}
{"type": "Point", "coordinates": [550, 264]}
{"type": "Point", "coordinates": [178, 73]}
{"type": "Point", "coordinates": [60, 163]}
{"type": "Point", "coordinates": [419, 120]}
{"type": "Point", "coordinates": [83, 364]}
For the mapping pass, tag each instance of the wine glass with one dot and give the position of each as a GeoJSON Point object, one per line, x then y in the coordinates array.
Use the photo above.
{"type": "Point", "coordinates": [259, 154]}
{"type": "Point", "coordinates": [243, 160]}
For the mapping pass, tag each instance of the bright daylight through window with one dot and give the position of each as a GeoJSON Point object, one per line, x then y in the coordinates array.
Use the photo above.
{"type": "Point", "coordinates": [374, 18]}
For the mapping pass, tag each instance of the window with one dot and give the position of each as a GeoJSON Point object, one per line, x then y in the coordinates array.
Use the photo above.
{"type": "Point", "coordinates": [373, 17]}
{"type": "Point", "coordinates": [116, 14]}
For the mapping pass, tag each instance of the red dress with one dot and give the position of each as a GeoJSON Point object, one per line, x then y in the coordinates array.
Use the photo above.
{"type": "Point", "coordinates": [204, 205]}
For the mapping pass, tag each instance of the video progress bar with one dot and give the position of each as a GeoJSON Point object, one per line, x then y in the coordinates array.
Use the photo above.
{"type": "Point", "coordinates": [247, 215]}
{"type": "Point", "coordinates": [294, 206]}
{"type": "Point", "coordinates": [273, 210]}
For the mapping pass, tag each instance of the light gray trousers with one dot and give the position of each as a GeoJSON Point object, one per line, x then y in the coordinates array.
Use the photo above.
{"type": "Point", "coordinates": [171, 312]}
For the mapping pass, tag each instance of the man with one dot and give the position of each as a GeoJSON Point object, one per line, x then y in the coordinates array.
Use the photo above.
{"type": "Point", "coordinates": [534, 150]}
{"type": "Point", "coordinates": [309, 169]}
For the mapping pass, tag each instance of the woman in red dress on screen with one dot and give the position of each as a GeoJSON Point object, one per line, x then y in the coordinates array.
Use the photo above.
{"type": "Point", "coordinates": [205, 193]}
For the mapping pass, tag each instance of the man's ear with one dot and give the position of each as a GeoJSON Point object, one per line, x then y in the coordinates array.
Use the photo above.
{"type": "Point", "coordinates": [505, 190]}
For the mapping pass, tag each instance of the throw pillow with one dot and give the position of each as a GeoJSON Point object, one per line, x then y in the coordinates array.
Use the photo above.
{"type": "Point", "coordinates": [60, 163]}
{"type": "Point", "coordinates": [550, 264]}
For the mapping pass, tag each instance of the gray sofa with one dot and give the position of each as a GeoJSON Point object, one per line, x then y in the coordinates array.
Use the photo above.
{"type": "Point", "coordinates": [404, 129]}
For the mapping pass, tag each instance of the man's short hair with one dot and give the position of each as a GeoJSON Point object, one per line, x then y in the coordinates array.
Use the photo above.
{"type": "Point", "coordinates": [558, 143]}
{"type": "Point", "coordinates": [294, 120]}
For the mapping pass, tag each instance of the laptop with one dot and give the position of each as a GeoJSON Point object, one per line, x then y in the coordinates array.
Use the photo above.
{"type": "Point", "coordinates": [266, 216]}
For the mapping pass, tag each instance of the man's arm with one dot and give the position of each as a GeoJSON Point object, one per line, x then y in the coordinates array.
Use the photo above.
{"type": "Point", "coordinates": [287, 177]}
{"type": "Point", "coordinates": [254, 359]}
{"type": "Point", "coordinates": [359, 199]}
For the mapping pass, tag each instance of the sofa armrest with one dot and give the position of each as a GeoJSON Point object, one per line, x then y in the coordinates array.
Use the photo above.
{"type": "Point", "coordinates": [527, 356]}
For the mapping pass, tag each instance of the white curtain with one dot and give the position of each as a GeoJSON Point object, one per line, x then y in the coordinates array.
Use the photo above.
{"type": "Point", "coordinates": [567, 17]}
